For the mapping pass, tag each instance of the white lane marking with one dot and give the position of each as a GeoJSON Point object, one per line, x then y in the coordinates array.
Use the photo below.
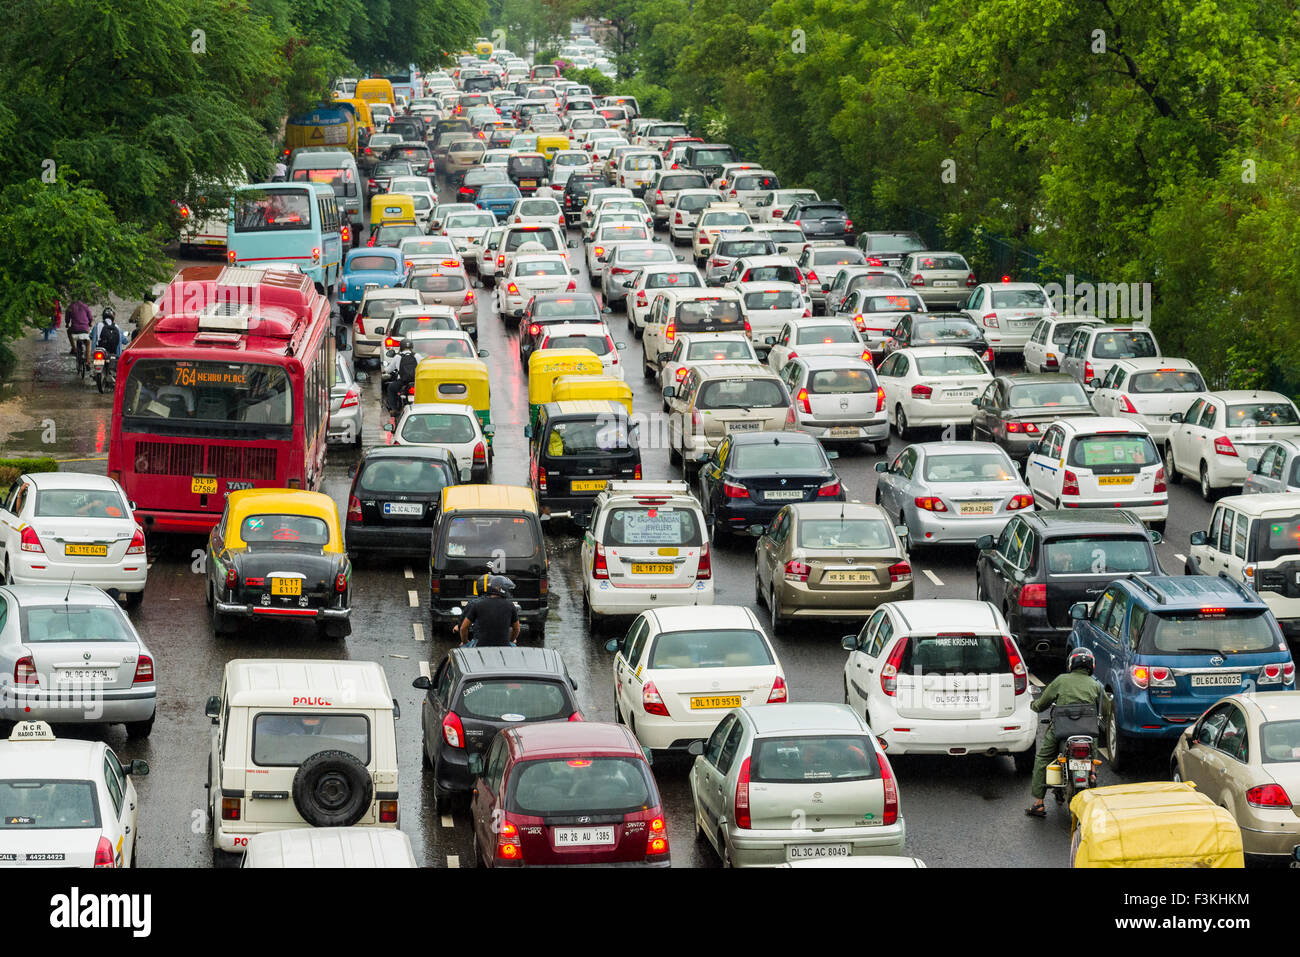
{"type": "Point", "coordinates": [424, 669]}
{"type": "Point", "coordinates": [447, 821]}
{"type": "Point", "coordinates": [1033, 680]}
{"type": "Point", "coordinates": [1181, 558]}
{"type": "Point", "coordinates": [418, 629]}
{"type": "Point", "coordinates": [933, 577]}
{"type": "Point", "coordinates": [453, 860]}
{"type": "Point", "coordinates": [413, 598]}
{"type": "Point", "coordinates": [407, 572]}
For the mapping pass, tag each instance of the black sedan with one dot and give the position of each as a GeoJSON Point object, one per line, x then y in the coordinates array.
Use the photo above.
{"type": "Point", "coordinates": [394, 499]}
{"type": "Point", "coordinates": [939, 329]}
{"type": "Point", "coordinates": [1014, 410]}
{"type": "Point", "coordinates": [1043, 562]}
{"type": "Point", "coordinates": [752, 475]}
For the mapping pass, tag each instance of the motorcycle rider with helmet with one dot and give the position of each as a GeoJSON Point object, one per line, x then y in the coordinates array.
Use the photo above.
{"type": "Point", "coordinates": [403, 379]}
{"type": "Point", "coordinates": [493, 617]}
{"type": "Point", "coordinates": [1075, 686]}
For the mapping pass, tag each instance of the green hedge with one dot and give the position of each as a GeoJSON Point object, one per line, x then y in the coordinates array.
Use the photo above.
{"type": "Point", "coordinates": [10, 469]}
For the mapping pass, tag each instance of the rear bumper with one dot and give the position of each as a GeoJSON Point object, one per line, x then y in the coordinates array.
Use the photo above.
{"type": "Point", "coordinates": [611, 601]}
{"type": "Point", "coordinates": [768, 848]}
{"type": "Point", "coordinates": [182, 523]}
{"type": "Point", "coordinates": [797, 600]}
{"type": "Point", "coordinates": [979, 736]}
{"type": "Point", "coordinates": [407, 539]}
{"type": "Point", "coordinates": [122, 577]}
{"type": "Point", "coordinates": [79, 707]}
{"type": "Point", "coordinates": [238, 610]}
{"type": "Point", "coordinates": [870, 432]}
{"type": "Point", "coordinates": [664, 734]}
{"type": "Point", "coordinates": [925, 529]}
{"type": "Point", "coordinates": [1148, 511]}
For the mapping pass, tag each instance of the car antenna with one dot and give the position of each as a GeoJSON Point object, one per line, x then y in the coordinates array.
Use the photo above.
{"type": "Point", "coordinates": [68, 593]}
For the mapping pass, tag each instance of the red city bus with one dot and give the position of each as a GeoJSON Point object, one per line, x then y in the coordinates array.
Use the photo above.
{"type": "Point", "coordinates": [226, 388]}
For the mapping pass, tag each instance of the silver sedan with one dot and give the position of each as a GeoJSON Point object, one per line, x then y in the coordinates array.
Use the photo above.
{"type": "Point", "coordinates": [74, 658]}
{"type": "Point", "coordinates": [951, 491]}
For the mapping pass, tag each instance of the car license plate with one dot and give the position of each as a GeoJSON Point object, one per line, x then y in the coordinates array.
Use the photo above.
{"type": "Point", "coordinates": [708, 702]}
{"type": "Point", "coordinates": [202, 485]}
{"type": "Point", "coordinates": [83, 674]}
{"type": "Point", "coordinates": [528, 182]}
{"type": "Point", "coordinates": [843, 432]}
{"type": "Point", "coordinates": [812, 852]}
{"type": "Point", "coordinates": [975, 508]}
{"type": "Point", "coordinates": [742, 426]}
{"type": "Point", "coordinates": [1226, 680]}
{"type": "Point", "coordinates": [1077, 764]}
{"type": "Point", "coordinates": [784, 495]}
{"type": "Point", "coordinates": [1025, 323]}
{"type": "Point", "coordinates": [404, 508]}
{"type": "Point", "coordinates": [1114, 480]}
{"type": "Point", "coordinates": [94, 550]}
{"type": "Point", "coordinates": [652, 568]}
{"type": "Point", "coordinates": [582, 836]}
{"type": "Point", "coordinates": [954, 700]}
{"type": "Point", "coordinates": [944, 282]}
{"type": "Point", "coordinates": [594, 485]}
{"type": "Point", "coordinates": [286, 586]}
{"type": "Point", "coordinates": [959, 393]}
{"type": "Point", "coordinates": [840, 578]}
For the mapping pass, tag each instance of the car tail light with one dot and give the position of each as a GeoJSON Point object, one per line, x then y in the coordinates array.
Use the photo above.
{"type": "Point", "coordinates": [704, 239]}
{"type": "Point", "coordinates": [659, 197]}
{"type": "Point", "coordinates": [315, 255]}
{"type": "Point", "coordinates": [512, 289]}
{"type": "Point", "coordinates": [1020, 501]}
{"type": "Point", "coordinates": [480, 453]}
{"type": "Point", "coordinates": [704, 572]}
{"type": "Point", "coordinates": [636, 471]}
{"type": "Point", "coordinates": [1268, 795]}
{"type": "Point", "coordinates": [900, 572]}
{"type": "Point", "coordinates": [1126, 406]}
{"type": "Point", "coordinates": [1032, 596]}
{"type": "Point", "coordinates": [232, 578]}
{"type": "Point", "coordinates": [1070, 484]}
{"type": "Point", "coordinates": [1088, 373]}
{"type": "Point", "coordinates": [1050, 361]}
{"type": "Point", "coordinates": [104, 856]}
{"type": "Point", "coordinates": [802, 399]}
{"type": "Point", "coordinates": [25, 671]}
{"type": "Point", "coordinates": [501, 260]}
{"type": "Point", "coordinates": [143, 669]}
{"type": "Point", "coordinates": [341, 582]}
{"type": "Point", "coordinates": [990, 319]}
{"type": "Point", "coordinates": [1019, 673]}
{"type": "Point", "coordinates": [778, 694]}
{"type": "Point", "coordinates": [829, 490]}
{"type": "Point", "coordinates": [453, 732]}
{"type": "Point", "coordinates": [541, 480]}
{"type": "Point", "coordinates": [670, 333]}
{"type": "Point", "coordinates": [1080, 749]}
{"type": "Point", "coordinates": [874, 261]}
{"type": "Point", "coordinates": [469, 298]}
{"type": "Point", "coordinates": [988, 354]}
{"type": "Point", "coordinates": [137, 542]}
{"type": "Point", "coordinates": [354, 508]}
{"type": "Point", "coordinates": [345, 233]}
{"type": "Point", "coordinates": [922, 392]}
{"type": "Point", "coordinates": [1022, 428]}
{"type": "Point", "coordinates": [790, 417]}
{"type": "Point", "coordinates": [792, 355]}
{"type": "Point", "coordinates": [742, 796]}
{"type": "Point", "coordinates": [931, 503]}
{"type": "Point", "coordinates": [1160, 485]}
{"type": "Point", "coordinates": [1160, 678]}
{"type": "Point", "coordinates": [918, 280]}
{"type": "Point", "coordinates": [1141, 675]}
{"type": "Point", "coordinates": [677, 219]}
{"type": "Point", "coordinates": [1223, 446]}
{"type": "Point", "coordinates": [970, 279]}
{"type": "Point", "coordinates": [509, 847]}
{"type": "Point", "coordinates": [889, 673]}
{"type": "Point", "coordinates": [599, 569]}
{"type": "Point", "coordinates": [651, 701]}
{"type": "Point", "coordinates": [29, 541]}
{"type": "Point", "coordinates": [796, 571]}
{"type": "Point", "coordinates": [777, 214]}
{"type": "Point", "coordinates": [387, 812]}
{"type": "Point", "coordinates": [230, 809]}
{"type": "Point", "coordinates": [880, 398]}
{"type": "Point", "coordinates": [351, 397]}
{"type": "Point", "coordinates": [598, 251]}
{"type": "Point", "coordinates": [657, 839]}
{"type": "Point", "coordinates": [731, 490]}
{"type": "Point", "coordinates": [890, 815]}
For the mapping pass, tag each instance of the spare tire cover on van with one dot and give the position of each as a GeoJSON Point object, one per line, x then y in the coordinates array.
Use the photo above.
{"type": "Point", "coordinates": [332, 789]}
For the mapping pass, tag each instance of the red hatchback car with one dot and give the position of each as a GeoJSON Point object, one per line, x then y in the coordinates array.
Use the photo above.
{"type": "Point", "coordinates": [562, 794]}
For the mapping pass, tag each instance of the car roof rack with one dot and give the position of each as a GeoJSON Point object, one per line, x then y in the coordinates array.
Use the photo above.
{"type": "Point", "coordinates": [1147, 587]}
{"type": "Point", "coordinates": [1238, 586]}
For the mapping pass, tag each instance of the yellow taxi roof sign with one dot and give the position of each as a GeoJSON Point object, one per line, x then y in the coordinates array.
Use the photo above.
{"type": "Point", "coordinates": [31, 731]}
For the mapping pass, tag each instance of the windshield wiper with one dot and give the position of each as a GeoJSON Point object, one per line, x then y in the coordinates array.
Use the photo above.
{"type": "Point", "coordinates": [1203, 651]}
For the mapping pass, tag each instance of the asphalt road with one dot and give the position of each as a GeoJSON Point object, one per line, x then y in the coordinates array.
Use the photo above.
{"type": "Point", "coordinates": [960, 812]}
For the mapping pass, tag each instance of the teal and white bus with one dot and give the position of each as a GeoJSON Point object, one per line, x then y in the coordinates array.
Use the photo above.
{"type": "Point", "coordinates": [280, 224]}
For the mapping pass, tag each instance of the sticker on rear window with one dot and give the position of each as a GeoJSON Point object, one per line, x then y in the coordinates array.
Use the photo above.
{"type": "Point", "coordinates": [953, 642]}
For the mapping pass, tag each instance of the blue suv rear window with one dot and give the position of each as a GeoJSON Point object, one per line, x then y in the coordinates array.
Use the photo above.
{"type": "Point", "coordinates": [1207, 632]}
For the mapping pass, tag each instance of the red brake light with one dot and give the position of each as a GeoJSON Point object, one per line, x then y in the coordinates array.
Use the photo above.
{"type": "Point", "coordinates": [1020, 501]}
{"type": "Point", "coordinates": [1028, 428]}
{"type": "Point", "coordinates": [354, 508]}
{"type": "Point", "coordinates": [880, 399]}
{"type": "Point", "coordinates": [931, 503]}
{"type": "Point", "coordinates": [657, 840]}
{"type": "Point", "coordinates": [1223, 446]}
{"type": "Point", "coordinates": [900, 572]}
{"type": "Point", "coordinates": [508, 846]}
{"type": "Point", "coordinates": [453, 732]}
{"type": "Point", "coordinates": [891, 791]}
{"type": "Point", "coordinates": [599, 569]}
{"type": "Point", "coordinates": [104, 856]}
{"type": "Point", "coordinates": [232, 578]}
{"type": "Point", "coordinates": [922, 391]}
{"type": "Point", "coordinates": [670, 333]}
{"type": "Point", "coordinates": [137, 542]}
{"type": "Point", "coordinates": [778, 694]}
{"type": "Point", "coordinates": [741, 801]}
{"type": "Point", "coordinates": [651, 701]}
{"type": "Point", "coordinates": [802, 399]}
{"type": "Point", "coordinates": [731, 490]}
{"type": "Point", "coordinates": [1019, 673]}
{"type": "Point", "coordinates": [990, 319]}
{"type": "Point", "coordinates": [1070, 484]}
{"type": "Point", "coordinates": [889, 673]}
{"type": "Point", "coordinates": [1268, 795]}
{"type": "Point", "coordinates": [351, 398]}
{"type": "Point", "coordinates": [1088, 373]}
{"type": "Point", "coordinates": [143, 669]}
{"type": "Point", "coordinates": [1032, 596]}
{"type": "Point", "coordinates": [1126, 406]}
{"type": "Point", "coordinates": [29, 541]}
{"type": "Point", "coordinates": [25, 671]}
{"type": "Point", "coordinates": [970, 280]}
{"type": "Point", "coordinates": [704, 571]}
{"type": "Point", "coordinates": [1160, 485]}
{"type": "Point", "coordinates": [1141, 675]}
{"type": "Point", "coordinates": [796, 571]}
{"type": "Point", "coordinates": [918, 280]}
{"type": "Point", "coordinates": [829, 490]}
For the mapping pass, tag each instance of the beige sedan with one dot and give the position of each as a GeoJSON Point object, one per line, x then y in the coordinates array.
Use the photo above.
{"type": "Point", "coordinates": [830, 560]}
{"type": "Point", "coordinates": [1244, 754]}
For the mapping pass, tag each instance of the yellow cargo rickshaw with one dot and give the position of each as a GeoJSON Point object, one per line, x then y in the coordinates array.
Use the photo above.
{"type": "Point", "coordinates": [547, 365]}
{"type": "Point", "coordinates": [459, 382]}
{"type": "Point", "coordinates": [1157, 824]}
{"type": "Point", "coordinates": [573, 387]}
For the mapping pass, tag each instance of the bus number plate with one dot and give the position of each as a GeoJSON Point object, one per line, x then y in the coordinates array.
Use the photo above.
{"type": "Point", "coordinates": [203, 485]}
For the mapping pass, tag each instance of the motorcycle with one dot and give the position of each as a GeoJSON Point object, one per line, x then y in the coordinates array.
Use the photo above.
{"type": "Point", "coordinates": [105, 369]}
{"type": "Point", "coordinates": [1075, 768]}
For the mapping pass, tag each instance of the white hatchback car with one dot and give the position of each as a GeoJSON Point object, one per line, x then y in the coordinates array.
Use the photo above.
{"type": "Point", "coordinates": [1095, 462]}
{"type": "Point", "coordinates": [1221, 431]}
{"type": "Point", "coordinates": [446, 426]}
{"type": "Point", "coordinates": [61, 527]}
{"type": "Point", "coordinates": [529, 276]}
{"type": "Point", "coordinates": [647, 544]}
{"type": "Point", "coordinates": [1008, 312]}
{"type": "Point", "coordinates": [536, 210]}
{"type": "Point", "coordinates": [814, 337]}
{"type": "Point", "coordinates": [649, 280]}
{"type": "Point", "coordinates": [1047, 343]}
{"type": "Point", "coordinates": [586, 335]}
{"type": "Point", "coordinates": [678, 671]}
{"type": "Point", "coordinates": [942, 677]}
{"type": "Point", "coordinates": [931, 386]}
{"type": "Point", "coordinates": [1148, 391]}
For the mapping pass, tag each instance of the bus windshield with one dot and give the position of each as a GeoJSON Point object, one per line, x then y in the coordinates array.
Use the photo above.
{"type": "Point", "coordinates": [261, 210]}
{"type": "Point", "coordinates": [223, 392]}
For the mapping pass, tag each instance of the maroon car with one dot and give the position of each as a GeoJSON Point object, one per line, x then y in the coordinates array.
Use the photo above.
{"type": "Point", "coordinates": [561, 793]}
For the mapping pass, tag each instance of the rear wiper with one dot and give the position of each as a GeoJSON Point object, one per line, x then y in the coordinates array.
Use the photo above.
{"type": "Point", "coordinates": [1203, 651]}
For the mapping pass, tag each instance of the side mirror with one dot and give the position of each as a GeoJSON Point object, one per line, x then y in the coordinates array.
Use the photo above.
{"type": "Point", "coordinates": [670, 391]}
{"type": "Point", "coordinates": [476, 765]}
{"type": "Point", "coordinates": [1176, 417]}
{"type": "Point", "coordinates": [1094, 383]}
{"type": "Point", "coordinates": [1252, 465]}
{"type": "Point", "coordinates": [664, 356]}
{"type": "Point", "coordinates": [586, 239]}
{"type": "Point", "coordinates": [489, 429]}
{"type": "Point", "coordinates": [849, 642]}
{"type": "Point", "coordinates": [528, 431]}
{"type": "Point", "coordinates": [611, 645]}
{"type": "Point", "coordinates": [976, 402]}
{"type": "Point", "coordinates": [1156, 537]}
{"type": "Point", "coordinates": [882, 466]}
{"type": "Point", "coordinates": [769, 340]}
{"type": "Point", "coordinates": [572, 244]}
{"type": "Point", "coordinates": [466, 474]}
{"type": "Point", "coordinates": [620, 345]}
{"type": "Point", "coordinates": [574, 271]}
{"type": "Point", "coordinates": [1199, 538]}
{"type": "Point", "coordinates": [901, 531]}
{"type": "Point", "coordinates": [213, 708]}
{"type": "Point", "coordinates": [424, 683]}
{"type": "Point", "coordinates": [137, 768]}
{"type": "Point", "coordinates": [755, 530]}
{"type": "Point", "coordinates": [388, 427]}
{"type": "Point", "coordinates": [363, 376]}
{"type": "Point", "coordinates": [482, 353]}
{"type": "Point", "coordinates": [681, 258]}
{"type": "Point", "coordinates": [1079, 610]}
{"type": "Point", "coordinates": [984, 542]}
{"type": "Point", "coordinates": [697, 748]}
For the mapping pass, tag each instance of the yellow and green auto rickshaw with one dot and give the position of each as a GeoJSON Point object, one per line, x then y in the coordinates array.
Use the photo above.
{"type": "Point", "coordinates": [1156, 824]}
{"type": "Point", "coordinates": [547, 365]}
{"type": "Point", "coordinates": [459, 382]}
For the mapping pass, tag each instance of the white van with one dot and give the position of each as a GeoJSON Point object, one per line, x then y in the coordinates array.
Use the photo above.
{"type": "Point", "coordinates": [336, 168]}
{"type": "Point", "coordinates": [330, 847]}
{"type": "Point", "coordinates": [298, 744]}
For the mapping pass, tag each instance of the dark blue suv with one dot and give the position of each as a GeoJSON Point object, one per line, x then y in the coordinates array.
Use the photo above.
{"type": "Point", "coordinates": [1167, 648]}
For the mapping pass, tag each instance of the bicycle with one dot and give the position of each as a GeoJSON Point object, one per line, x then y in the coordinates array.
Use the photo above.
{"type": "Point", "coordinates": [83, 360]}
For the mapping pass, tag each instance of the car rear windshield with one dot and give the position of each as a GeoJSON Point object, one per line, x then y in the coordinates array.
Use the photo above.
{"type": "Point", "coordinates": [1063, 332]}
{"type": "Point", "coordinates": [566, 308]}
{"type": "Point", "coordinates": [741, 394]}
{"type": "Point", "coordinates": [652, 525]}
{"type": "Point", "coordinates": [968, 467]}
{"type": "Point", "coordinates": [597, 436]}
{"type": "Point", "coordinates": [1166, 380]}
{"type": "Point", "coordinates": [73, 623]}
{"type": "Point", "coordinates": [955, 654]}
{"type": "Point", "coordinates": [527, 165]}
{"type": "Point", "coordinates": [1123, 345]}
{"type": "Point", "coordinates": [288, 739]}
{"type": "Point", "coordinates": [724, 219]}
{"type": "Point", "coordinates": [844, 533]}
{"type": "Point", "coordinates": [820, 757]}
{"type": "Point", "coordinates": [27, 805]}
{"type": "Point", "coordinates": [1018, 299]}
{"type": "Point", "coordinates": [714, 157]}
{"type": "Point", "coordinates": [711, 648]}
{"type": "Point", "coordinates": [812, 335]}
{"type": "Point", "coordinates": [933, 261]}
{"type": "Point", "coordinates": [1279, 742]}
{"type": "Point", "coordinates": [640, 256]}
{"type": "Point", "coordinates": [771, 274]}
{"type": "Point", "coordinates": [470, 221]}
{"type": "Point", "coordinates": [1097, 556]}
{"type": "Point", "coordinates": [386, 263]}
{"type": "Point", "coordinates": [945, 330]}
{"type": "Point", "coordinates": [285, 529]}
{"type": "Point", "coordinates": [822, 212]}
{"type": "Point", "coordinates": [1092, 451]}
{"type": "Point", "coordinates": [540, 267]}
{"type": "Point", "coordinates": [343, 181]}
{"type": "Point", "coordinates": [622, 234]}
{"type": "Point", "coordinates": [1043, 394]}
{"type": "Point", "coordinates": [757, 182]}
{"type": "Point", "coordinates": [667, 280]}
{"type": "Point", "coordinates": [719, 350]}
{"type": "Point", "coordinates": [405, 324]}
{"type": "Point", "coordinates": [841, 381]}
{"type": "Point", "coordinates": [684, 181]}
{"type": "Point", "coordinates": [745, 247]}
{"type": "Point", "coordinates": [437, 282]}
{"type": "Point", "coordinates": [1205, 632]}
{"type": "Point", "coordinates": [691, 203]}
{"type": "Point", "coordinates": [400, 476]}
{"type": "Point", "coordinates": [1277, 538]}
{"type": "Point", "coordinates": [79, 503]}
{"type": "Point", "coordinates": [514, 699]}
{"type": "Point", "coordinates": [642, 161]}
{"type": "Point", "coordinates": [787, 456]}
{"type": "Point", "coordinates": [580, 785]}
{"type": "Point", "coordinates": [835, 256]}
{"type": "Point", "coordinates": [773, 299]}
{"type": "Point", "coordinates": [1262, 414]}
{"type": "Point", "coordinates": [543, 237]}
{"type": "Point", "coordinates": [710, 315]}
{"type": "Point", "coordinates": [539, 207]}
{"type": "Point", "coordinates": [597, 344]}
{"type": "Point", "coordinates": [965, 364]}
{"type": "Point", "coordinates": [432, 428]}
{"type": "Point", "coordinates": [476, 536]}
{"type": "Point", "coordinates": [894, 243]}
{"type": "Point", "coordinates": [890, 303]}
